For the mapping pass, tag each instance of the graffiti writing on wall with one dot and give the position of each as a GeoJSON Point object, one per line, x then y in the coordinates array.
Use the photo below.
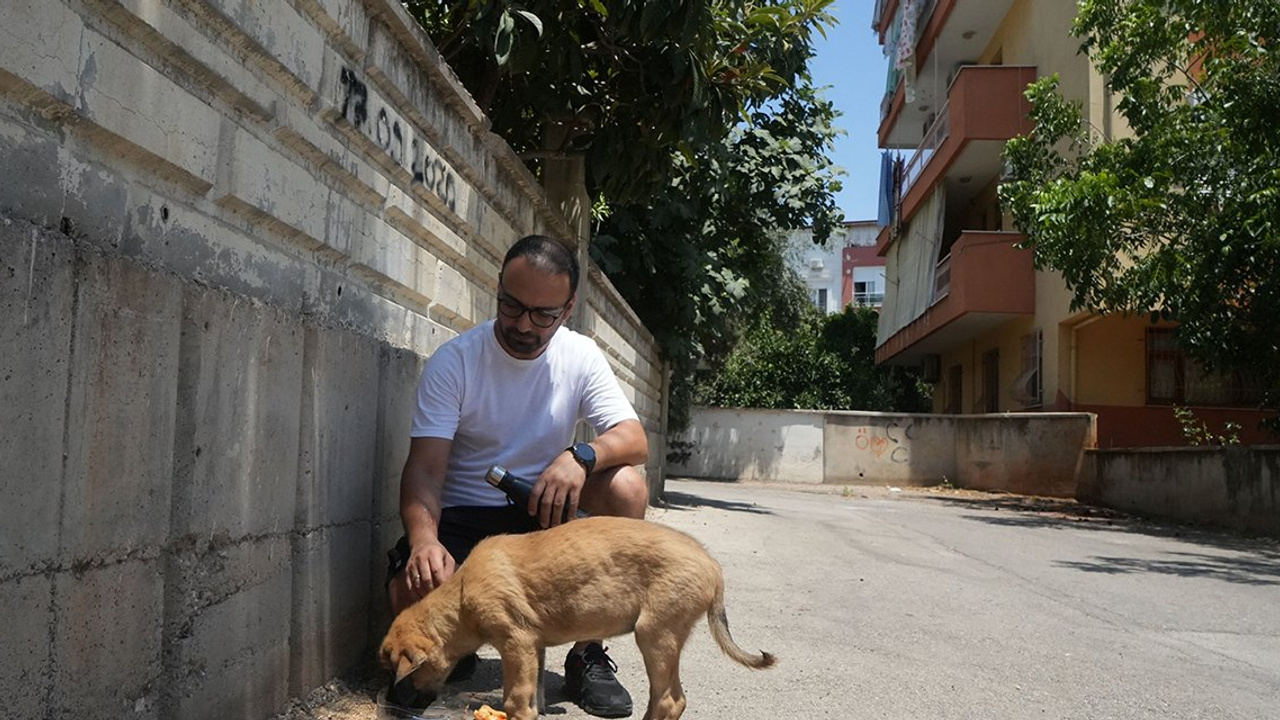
{"type": "Point", "coordinates": [891, 446]}
{"type": "Point", "coordinates": [397, 138]}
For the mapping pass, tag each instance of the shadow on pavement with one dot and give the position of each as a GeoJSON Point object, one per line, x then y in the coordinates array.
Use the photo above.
{"type": "Point", "coordinates": [485, 686]}
{"type": "Point", "coordinates": [1030, 511]}
{"type": "Point", "coordinates": [674, 500]}
{"type": "Point", "coordinates": [1242, 570]}
{"type": "Point", "coordinates": [1251, 560]}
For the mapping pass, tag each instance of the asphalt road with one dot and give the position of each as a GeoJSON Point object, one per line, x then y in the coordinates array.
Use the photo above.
{"type": "Point", "coordinates": [931, 606]}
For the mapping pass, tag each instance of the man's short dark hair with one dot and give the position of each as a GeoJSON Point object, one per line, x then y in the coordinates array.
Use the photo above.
{"type": "Point", "coordinates": [546, 254]}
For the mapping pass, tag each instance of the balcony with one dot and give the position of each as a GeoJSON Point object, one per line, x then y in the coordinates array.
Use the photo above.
{"type": "Point", "coordinates": [983, 282]}
{"type": "Point", "coordinates": [950, 35]}
{"type": "Point", "coordinates": [868, 299]}
{"type": "Point", "coordinates": [985, 107]}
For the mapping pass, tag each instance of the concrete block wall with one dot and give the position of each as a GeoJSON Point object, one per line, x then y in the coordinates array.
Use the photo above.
{"type": "Point", "coordinates": [1025, 453]}
{"type": "Point", "coordinates": [1035, 453]}
{"type": "Point", "coordinates": [1235, 487]}
{"type": "Point", "coordinates": [614, 325]}
{"type": "Point", "coordinates": [755, 445]}
{"type": "Point", "coordinates": [231, 231]}
{"type": "Point", "coordinates": [889, 448]}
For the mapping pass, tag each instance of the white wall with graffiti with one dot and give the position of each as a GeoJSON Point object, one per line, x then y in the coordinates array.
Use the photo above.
{"type": "Point", "coordinates": [1035, 453]}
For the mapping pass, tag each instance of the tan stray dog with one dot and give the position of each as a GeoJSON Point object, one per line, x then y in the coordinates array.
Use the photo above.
{"type": "Point", "coordinates": [592, 578]}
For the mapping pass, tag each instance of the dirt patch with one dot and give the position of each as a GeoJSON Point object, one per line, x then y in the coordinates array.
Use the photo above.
{"type": "Point", "coordinates": [351, 698]}
{"type": "Point", "coordinates": [1059, 508]}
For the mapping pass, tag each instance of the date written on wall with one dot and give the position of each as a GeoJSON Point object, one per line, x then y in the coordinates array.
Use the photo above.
{"type": "Point", "coordinates": [396, 137]}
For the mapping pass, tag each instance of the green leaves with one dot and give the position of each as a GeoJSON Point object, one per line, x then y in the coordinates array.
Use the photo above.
{"type": "Point", "coordinates": [820, 362]}
{"type": "Point", "coordinates": [632, 81]}
{"type": "Point", "coordinates": [701, 257]}
{"type": "Point", "coordinates": [505, 37]}
{"type": "Point", "coordinates": [1182, 219]}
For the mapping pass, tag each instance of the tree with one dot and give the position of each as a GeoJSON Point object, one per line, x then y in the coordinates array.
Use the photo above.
{"type": "Point", "coordinates": [823, 362]}
{"type": "Point", "coordinates": [708, 252]}
{"type": "Point", "coordinates": [702, 139]}
{"type": "Point", "coordinates": [1181, 220]}
{"type": "Point", "coordinates": [621, 84]}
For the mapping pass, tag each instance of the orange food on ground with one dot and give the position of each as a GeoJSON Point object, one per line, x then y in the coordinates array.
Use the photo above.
{"type": "Point", "coordinates": [487, 713]}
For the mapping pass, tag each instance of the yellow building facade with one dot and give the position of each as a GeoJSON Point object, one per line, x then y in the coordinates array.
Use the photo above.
{"type": "Point", "coordinates": [962, 301]}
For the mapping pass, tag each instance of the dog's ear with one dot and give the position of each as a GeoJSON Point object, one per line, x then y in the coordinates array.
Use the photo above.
{"type": "Point", "coordinates": [410, 659]}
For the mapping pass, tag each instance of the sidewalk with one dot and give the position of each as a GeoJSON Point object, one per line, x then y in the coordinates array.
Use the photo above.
{"type": "Point", "coordinates": [918, 605]}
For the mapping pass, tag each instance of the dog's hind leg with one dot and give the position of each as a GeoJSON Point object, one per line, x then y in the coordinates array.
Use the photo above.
{"type": "Point", "coordinates": [660, 646]}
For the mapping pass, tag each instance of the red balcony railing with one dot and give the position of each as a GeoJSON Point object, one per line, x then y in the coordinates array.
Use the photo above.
{"type": "Point", "coordinates": [938, 134]}
{"type": "Point", "coordinates": [985, 280]}
{"type": "Point", "coordinates": [985, 102]}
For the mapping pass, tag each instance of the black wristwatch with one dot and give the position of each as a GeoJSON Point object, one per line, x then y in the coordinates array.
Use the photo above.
{"type": "Point", "coordinates": [585, 455]}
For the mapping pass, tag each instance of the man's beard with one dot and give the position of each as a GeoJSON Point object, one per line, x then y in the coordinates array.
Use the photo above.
{"type": "Point", "coordinates": [525, 344]}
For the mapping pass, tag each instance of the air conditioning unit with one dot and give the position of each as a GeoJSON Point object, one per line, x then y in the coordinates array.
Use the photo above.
{"type": "Point", "coordinates": [816, 264]}
{"type": "Point", "coordinates": [931, 368]}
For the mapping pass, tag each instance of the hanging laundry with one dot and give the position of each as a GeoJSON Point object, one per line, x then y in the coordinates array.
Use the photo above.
{"type": "Point", "coordinates": [905, 55]}
{"type": "Point", "coordinates": [884, 214]}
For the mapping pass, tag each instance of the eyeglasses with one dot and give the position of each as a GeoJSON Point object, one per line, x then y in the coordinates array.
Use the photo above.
{"type": "Point", "coordinates": [540, 317]}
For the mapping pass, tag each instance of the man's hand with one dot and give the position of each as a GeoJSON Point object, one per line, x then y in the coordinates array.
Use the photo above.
{"type": "Point", "coordinates": [558, 487]}
{"type": "Point", "coordinates": [421, 484]}
{"type": "Point", "coordinates": [430, 564]}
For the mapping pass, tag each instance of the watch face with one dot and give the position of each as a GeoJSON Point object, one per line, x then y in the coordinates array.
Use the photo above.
{"type": "Point", "coordinates": [586, 454]}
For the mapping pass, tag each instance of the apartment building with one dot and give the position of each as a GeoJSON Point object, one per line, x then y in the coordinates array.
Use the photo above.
{"type": "Point", "coordinates": [861, 267]}
{"type": "Point", "coordinates": [847, 270]}
{"type": "Point", "coordinates": [962, 301]}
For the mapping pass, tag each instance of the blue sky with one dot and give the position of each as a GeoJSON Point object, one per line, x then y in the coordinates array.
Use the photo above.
{"type": "Point", "coordinates": [852, 64]}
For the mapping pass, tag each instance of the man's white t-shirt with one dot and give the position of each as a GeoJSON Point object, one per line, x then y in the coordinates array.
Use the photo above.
{"type": "Point", "coordinates": [519, 414]}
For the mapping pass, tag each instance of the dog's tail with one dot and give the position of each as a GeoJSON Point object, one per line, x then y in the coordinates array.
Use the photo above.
{"type": "Point", "coordinates": [718, 621]}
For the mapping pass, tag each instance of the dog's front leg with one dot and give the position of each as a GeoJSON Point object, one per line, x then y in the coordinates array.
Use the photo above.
{"type": "Point", "coordinates": [542, 680]}
{"type": "Point", "coordinates": [520, 669]}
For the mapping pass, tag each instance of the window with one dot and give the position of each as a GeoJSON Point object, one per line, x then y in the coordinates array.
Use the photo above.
{"type": "Point", "coordinates": [868, 285]}
{"type": "Point", "coordinates": [1174, 379]}
{"type": "Point", "coordinates": [942, 279]}
{"type": "Point", "coordinates": [866, 293]}
{"type": "Point", "coordinates": [955, 396]}
{"type": "Point", "coordinates": [1028, 389]}
{"type": "Point", "coordinates": [1164, 368]}
{"type": "Point", "coordinates": [991, 381]}
{"type": "Point", "coordinates": [820, 299]}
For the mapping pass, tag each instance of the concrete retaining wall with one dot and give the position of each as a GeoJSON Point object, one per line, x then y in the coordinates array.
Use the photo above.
{"type": "Point", "coordinates": [230, 232]}
{"type": "Point", "coordinates": [1231, 487]}
{"type": "Point", "coordinates": [756, 445]}
{"type": "Point", "coordinates": [1038, 453]}
{"type": "Point", "coordinates": [1049, 454]}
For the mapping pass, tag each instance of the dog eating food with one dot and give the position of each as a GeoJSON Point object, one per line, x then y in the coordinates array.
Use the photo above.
{"type": "Point", "coordinates": [591, 578]}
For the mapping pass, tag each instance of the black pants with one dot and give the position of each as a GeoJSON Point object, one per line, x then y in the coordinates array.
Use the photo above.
{"type": "Point", "coordinates": [461, 528]}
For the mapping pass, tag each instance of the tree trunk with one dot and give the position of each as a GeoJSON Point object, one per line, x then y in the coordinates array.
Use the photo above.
{"type": "Point", "coordinates": [564, 179]}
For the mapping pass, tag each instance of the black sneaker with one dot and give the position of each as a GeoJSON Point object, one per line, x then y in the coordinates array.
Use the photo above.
{"type": "Point", "coordinates": [589, 680]}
